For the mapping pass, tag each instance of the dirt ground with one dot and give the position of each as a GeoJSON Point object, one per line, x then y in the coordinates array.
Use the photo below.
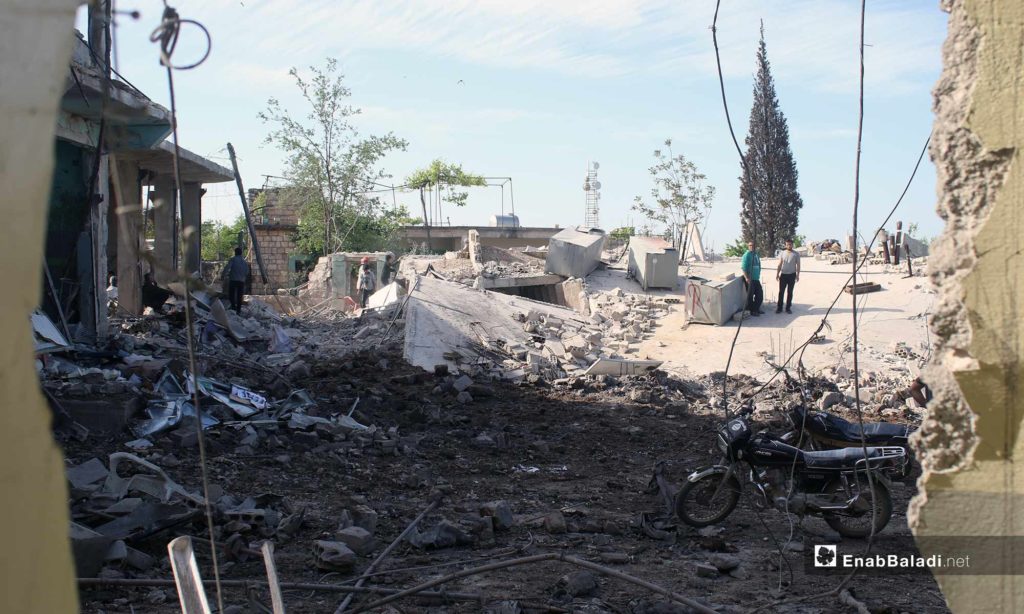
{"type": "Point", "coordinates": [897, 313]}
{"type": "Point", "coordinates": [586, 451]}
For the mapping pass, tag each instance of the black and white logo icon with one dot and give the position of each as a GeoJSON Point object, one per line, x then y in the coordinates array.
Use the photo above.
{"type": "Point", "coordinates": [825, 556]}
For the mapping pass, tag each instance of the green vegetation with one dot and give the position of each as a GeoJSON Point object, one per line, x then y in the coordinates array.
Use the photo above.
{"type": "Point", "coordinates": [679, 195]}
{"type": "Point", "coordinates": [331, 170]}
{"type": "Point", "coordinates": [220, 240]}
{"type": "Point", "coordinates": [737, 248]}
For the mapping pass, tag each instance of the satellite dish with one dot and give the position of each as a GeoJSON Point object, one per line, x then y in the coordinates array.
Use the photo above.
{"type": "Point", "coordinates": [597, 185]}
{"type": "Point", "coordinates": [596, 166]}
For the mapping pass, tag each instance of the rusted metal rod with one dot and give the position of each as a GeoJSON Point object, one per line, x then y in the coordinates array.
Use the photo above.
{"type": "Point", "coordinates": [537, 558]}
{"type": "Point", "coordinates": [288, 586]}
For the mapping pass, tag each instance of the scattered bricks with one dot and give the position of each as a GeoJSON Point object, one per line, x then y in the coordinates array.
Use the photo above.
{"type": "Point", "coordinates": [555, 523]}
{"type": "Point", "coordinates": [829, 399]}
{"type": "Point", "coordinates": [333, 556]}
{"type": "Point", "coordinates": [364, 517]}
{"type": "Point", "coordinates": [705, 571]}
{"type": "Point", "coordinates": [462, 383]}
{"type": "Point", "coordinates": [464, 397]}
{"type": "Point", "coordinates": [501, 511]}
{"type": "Point", "coordinates": [358, 540]}
{"type": "Point", "coordinates": [305, 439]}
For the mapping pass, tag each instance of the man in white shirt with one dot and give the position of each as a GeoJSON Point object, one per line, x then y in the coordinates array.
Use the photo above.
{"type": "Point", "coordinates": [787, 274]}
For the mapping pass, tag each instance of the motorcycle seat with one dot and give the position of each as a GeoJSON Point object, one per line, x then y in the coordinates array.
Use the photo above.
{"type": "Point", "coordinates": [828, 425]}
{"type": "Point", "coordinates": [840, 458]}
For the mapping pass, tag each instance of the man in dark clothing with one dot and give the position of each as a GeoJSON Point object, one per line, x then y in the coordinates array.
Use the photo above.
{"type": "Point", "coordinates": [153, 296]}
{"type": "Point", "coordinates": [751, 265]}
{"type": "Point", "coordinates": [236, 273]}
{"type": "Point", "coordinates": [388, 270]}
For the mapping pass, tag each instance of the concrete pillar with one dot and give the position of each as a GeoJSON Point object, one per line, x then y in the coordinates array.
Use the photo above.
{"type": "Point", "coordinates": [36, 569]}
{"type": "Point", "coordinates": [165, 244]}
{"type": "Point", "coordinates": [129, 236]}
{"type": "Point", "coordinates": [971, 437]}
{"type": "Point", "coordinates": [191, 224]}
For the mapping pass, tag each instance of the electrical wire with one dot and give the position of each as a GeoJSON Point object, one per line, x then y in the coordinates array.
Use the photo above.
{"type": "Point", "coordinates": [167, 35]}
{"type": "Point", "coordinates": [750, 194]}
{"type": "Point", "coordinates": [824, 320]}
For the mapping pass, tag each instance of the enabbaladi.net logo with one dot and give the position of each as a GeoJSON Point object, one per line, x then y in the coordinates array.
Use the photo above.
{"type": "Point", "coordinates": [830, 556]}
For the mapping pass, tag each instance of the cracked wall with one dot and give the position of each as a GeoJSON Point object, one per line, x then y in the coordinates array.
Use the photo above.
{"type": "Point", "coordinates": [36, 573]}
{"type": "Point", "coordinates": [970, 438]}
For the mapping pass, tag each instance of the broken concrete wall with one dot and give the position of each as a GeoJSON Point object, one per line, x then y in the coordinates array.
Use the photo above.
{"type": "Point", "coordinates": [971, 436]}
{"type": "Point", "coordinates": [36, 573]}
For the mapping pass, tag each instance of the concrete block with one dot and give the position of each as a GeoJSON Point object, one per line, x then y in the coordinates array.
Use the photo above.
{"type": "Point", "coordinates": [358, 540]}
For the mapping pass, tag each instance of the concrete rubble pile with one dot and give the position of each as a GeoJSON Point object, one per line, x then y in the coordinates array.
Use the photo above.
{"type": "Point", "coordinates": [117, 506]}
{"type": "Point", "coordinates": [141, 372]}
{"type": "Point", "coordinates": [494, 336]}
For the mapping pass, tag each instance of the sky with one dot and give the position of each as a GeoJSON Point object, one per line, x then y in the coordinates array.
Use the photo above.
{"type": "Point", "coordinates": [535, 90]}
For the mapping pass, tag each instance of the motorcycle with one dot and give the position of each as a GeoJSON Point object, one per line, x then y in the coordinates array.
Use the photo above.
{"type": "Point", "coordinates": [831, 484]}
{"type": "Point", "coordinates": [820, 430]}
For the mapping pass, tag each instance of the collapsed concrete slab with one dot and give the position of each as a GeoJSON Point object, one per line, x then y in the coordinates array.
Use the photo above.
{"type": "Point", "coordinates": [653, 262]}
{"type": "Point", "coordinates": [575, 252]}
{"type": "Point", "coordinates": [447, 321]}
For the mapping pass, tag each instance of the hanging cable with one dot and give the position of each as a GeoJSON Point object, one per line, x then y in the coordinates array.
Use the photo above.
{"type": "Point", "coordinates": [167, 35]}
{"type": "Point", "coordinates": [750, 194]}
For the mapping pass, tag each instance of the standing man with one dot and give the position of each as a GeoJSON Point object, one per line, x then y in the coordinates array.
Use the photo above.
{"type": "Point", "coordinates": [787, 275]}
{"type": "Point", "coordinates": [388, 270]}
{"type": "Point", "coordinates": [367, 281]}
{"type": "Point", "coordinates": [236, 272]}
{"type": "Point", "coordinates": [751, 266]}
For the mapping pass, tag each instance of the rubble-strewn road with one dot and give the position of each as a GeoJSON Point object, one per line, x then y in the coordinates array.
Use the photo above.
{"type": "Point", "coordinates": [572, 463]}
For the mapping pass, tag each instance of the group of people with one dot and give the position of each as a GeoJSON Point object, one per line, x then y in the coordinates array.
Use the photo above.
{"type": "Point", "coordinates": [787, 274]}
{"type": "Point", "coordinates": [237, 272]}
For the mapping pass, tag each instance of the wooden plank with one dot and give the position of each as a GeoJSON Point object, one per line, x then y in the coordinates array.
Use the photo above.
{"type": "Point", "coordinates": [276, 599]}
{"type": "Point", "coordinates": [186, 576]}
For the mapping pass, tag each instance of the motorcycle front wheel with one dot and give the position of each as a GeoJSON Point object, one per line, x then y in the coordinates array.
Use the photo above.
{"type": "Point", "coordinates": [856, 522]}
{"type": "Point", "coordinates": [709, 500]}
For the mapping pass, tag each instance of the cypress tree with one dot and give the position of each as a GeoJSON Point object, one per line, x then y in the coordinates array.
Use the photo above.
{"type": "Point", "coordinates": [771, 216]}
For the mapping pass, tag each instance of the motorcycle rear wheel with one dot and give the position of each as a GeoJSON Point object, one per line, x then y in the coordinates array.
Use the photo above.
{"type": "Point", "coordinates": [707, 501]}
{"type": "Point", "coordinates": [857, 523]}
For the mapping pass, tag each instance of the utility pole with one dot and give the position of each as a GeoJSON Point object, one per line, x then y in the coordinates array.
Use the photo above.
{"type": "Point", "coordinates": [248, 218]}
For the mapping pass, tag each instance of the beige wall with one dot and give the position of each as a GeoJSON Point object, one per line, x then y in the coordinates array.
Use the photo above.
{"type": "Point", "coordinates": [36, 574]}
{"type": "Point", "coordinates": [971, 437]}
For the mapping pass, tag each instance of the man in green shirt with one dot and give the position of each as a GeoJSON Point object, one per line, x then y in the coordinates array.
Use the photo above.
{"type": "Point", "coordinates": [751, 266]}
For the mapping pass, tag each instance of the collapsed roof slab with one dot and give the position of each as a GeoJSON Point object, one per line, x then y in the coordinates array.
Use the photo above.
{"type": "Point", "coordinates": [443, 317]}
{"type": "Point", "coordinates": [575, 252]}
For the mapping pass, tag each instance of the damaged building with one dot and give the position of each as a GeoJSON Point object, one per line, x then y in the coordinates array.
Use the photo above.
{"type": "Point", "coordinates": [110, 149]}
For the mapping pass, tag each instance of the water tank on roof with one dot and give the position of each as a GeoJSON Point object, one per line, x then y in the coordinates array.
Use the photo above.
{"type": "Point", "coordinates": [505, 221]}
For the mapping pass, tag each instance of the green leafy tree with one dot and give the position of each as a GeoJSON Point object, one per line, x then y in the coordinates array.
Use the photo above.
{"type": "Point", "coordinates": [771, 201]}
{"type": "Point", "coordinates": [622, 233]}
{"type": "Point", "coordinates": [443, 177]}
{"type": "Point", "coordinates": [679, 196]}
{"type": "Point", "coordinates": [328, 165]}
{"type": "Point", "coordinates": [219, 240]}
{"type": "Point", "coordinates": [736, 248]}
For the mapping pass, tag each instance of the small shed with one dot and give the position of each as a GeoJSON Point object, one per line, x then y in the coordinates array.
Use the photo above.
{"type": "Point", "coordinates": [653, 262]}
